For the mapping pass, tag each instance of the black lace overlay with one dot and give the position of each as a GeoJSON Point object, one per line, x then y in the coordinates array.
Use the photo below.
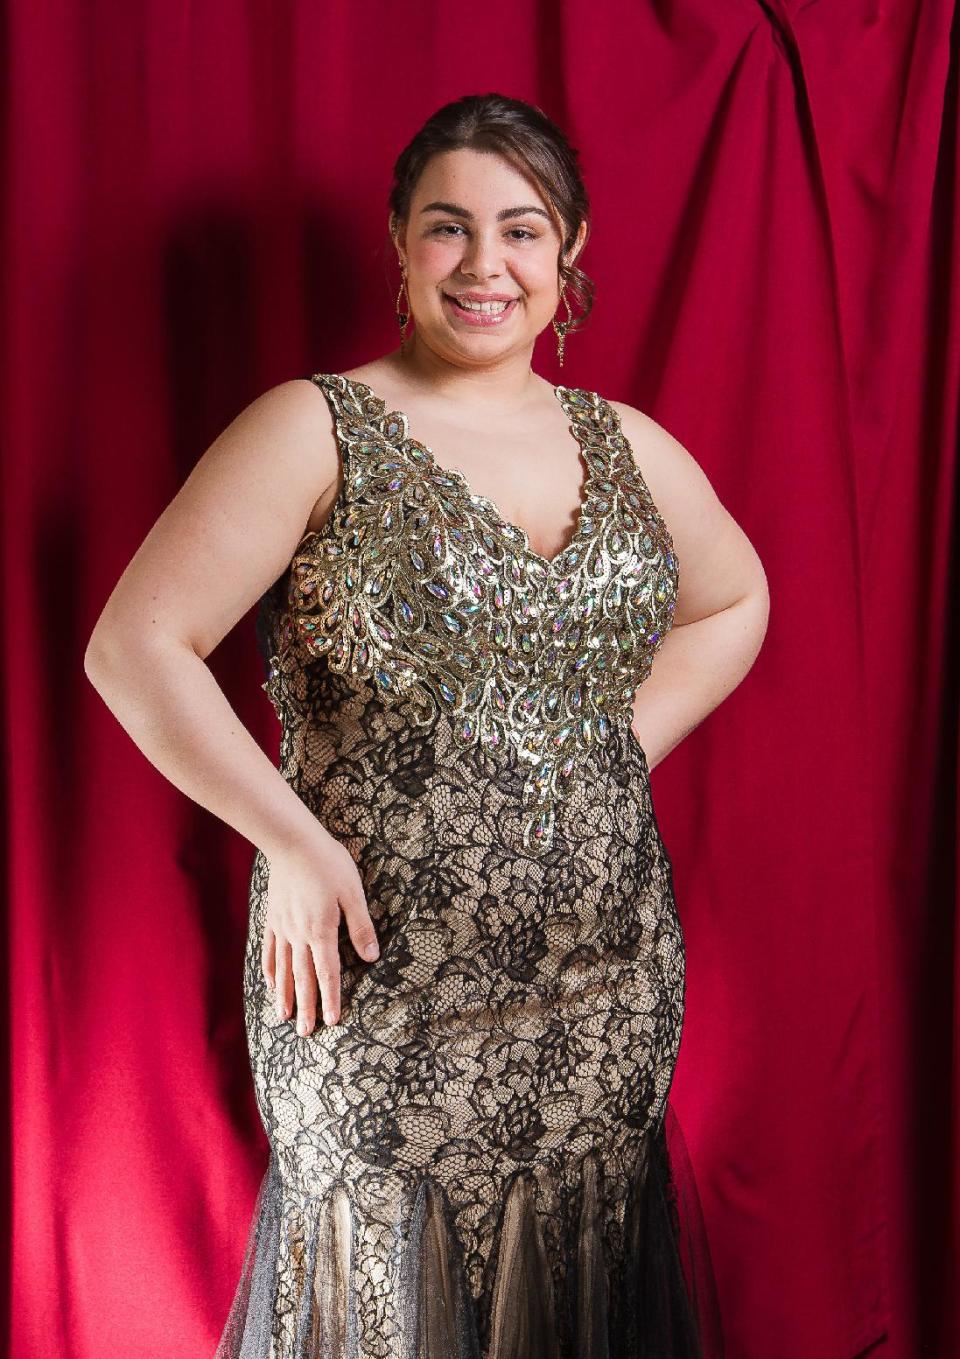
{"type": "Point", "coordinates": [480, 1159]}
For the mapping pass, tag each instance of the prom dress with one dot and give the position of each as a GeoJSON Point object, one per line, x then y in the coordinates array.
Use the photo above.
{"type": "Point", "coordinates": [479, 1161]}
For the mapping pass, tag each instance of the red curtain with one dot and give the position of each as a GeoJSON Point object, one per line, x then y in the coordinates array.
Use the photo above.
{"type": "Point", "coordinates": [195, 211]}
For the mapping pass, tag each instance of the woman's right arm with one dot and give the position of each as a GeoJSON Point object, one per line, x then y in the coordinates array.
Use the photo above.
{"type": "Point", "coordinates": [229, 533]}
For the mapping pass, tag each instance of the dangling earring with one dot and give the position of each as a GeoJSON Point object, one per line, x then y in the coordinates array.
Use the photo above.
{"type": "Point", "coordinates": [403, 317]}
{"type": "Point", "coordinates": [561, 327]}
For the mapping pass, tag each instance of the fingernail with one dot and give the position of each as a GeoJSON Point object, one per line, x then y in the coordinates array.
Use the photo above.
{"type": "Point", "coordinates": [302, 1026]}
{"type": "Point", "coordinates": [371, 951]}
{"type": "Point", "coordinates": [329, 1016]}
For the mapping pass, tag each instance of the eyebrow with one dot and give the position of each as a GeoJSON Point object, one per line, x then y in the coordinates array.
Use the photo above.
{"type": "Point", "coordinates": [454, 210]}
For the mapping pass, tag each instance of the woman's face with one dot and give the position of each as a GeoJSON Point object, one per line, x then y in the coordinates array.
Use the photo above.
{"type": "Point", "coordinates": [477, 228]}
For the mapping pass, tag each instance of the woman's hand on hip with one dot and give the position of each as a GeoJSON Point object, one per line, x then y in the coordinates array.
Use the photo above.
{"type": "Point", "coordinates": [308, 888]}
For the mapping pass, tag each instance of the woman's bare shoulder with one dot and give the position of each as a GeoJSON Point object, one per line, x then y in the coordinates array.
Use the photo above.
{"type": "Point", "coordinates": [234, 524]}
{"type": "Point", "coordinates": [670, 464]}
{"type": "Point", "coordinates": [718, 562]}
{"type": "Point", "coordinates": [676, 479]}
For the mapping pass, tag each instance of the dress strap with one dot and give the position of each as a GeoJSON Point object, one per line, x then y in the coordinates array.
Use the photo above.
{"type": "Point", "coordinates": [362, 424]}
{"type": "Point", "coordinates": [328, 385]}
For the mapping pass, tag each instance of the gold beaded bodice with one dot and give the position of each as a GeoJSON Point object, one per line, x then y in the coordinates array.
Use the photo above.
{"type": "Point", "coordinates": [423, 594]}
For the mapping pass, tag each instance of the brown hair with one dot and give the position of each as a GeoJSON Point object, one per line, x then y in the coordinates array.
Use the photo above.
{"type": "Point", "coordinates": [523, 134]}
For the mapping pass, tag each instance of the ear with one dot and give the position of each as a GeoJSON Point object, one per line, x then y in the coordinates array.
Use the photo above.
{"type": "Point", "coordinates": [398, 231]}
{"type": "Point", "coordinates": [583, 231]}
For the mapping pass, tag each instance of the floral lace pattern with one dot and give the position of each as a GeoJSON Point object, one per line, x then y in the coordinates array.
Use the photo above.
{"type": "Point", "coordinates": [469, 1156]}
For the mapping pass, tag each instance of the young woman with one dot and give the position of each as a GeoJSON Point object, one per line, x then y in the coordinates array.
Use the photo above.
{"type": "Point", "coordinates": [464, 980]}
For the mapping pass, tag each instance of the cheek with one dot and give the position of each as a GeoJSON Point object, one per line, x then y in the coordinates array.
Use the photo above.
{"type": "Point", "coordinates": [538, 275]}
{"type": "Point", "coordinates": [435, 260]}
{"type": "Point", "coordinates": [541, 288]}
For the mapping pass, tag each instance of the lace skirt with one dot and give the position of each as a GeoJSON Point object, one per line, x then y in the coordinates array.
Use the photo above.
{"type": "Point", "coordinates": [658, 1302]}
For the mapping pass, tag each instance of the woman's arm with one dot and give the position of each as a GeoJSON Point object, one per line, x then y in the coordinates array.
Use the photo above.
{"type": "Point", "coordinates": [223, 540]}
{"type": "Point", "coordinates": [723, 602]}
{"type": "Point", "coordinates": [229, 533]}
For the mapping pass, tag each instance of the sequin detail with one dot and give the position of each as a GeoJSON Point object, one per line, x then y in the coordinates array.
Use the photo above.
{"type": "Point", "coordinates": [424, 589]}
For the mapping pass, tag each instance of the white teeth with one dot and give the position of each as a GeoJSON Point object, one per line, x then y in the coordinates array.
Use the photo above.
{"type": "Point", "coordinates": [493, 307]}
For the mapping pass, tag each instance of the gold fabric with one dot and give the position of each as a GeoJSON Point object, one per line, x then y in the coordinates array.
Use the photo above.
{"type": "Point", "coordinates": [424, 589]}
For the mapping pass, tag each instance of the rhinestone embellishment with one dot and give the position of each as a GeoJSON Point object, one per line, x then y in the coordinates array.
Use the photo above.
{"type": "Point", "coordinates": [427, 592]}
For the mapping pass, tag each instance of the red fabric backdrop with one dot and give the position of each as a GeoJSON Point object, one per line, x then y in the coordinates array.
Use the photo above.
{"type": "Point", "coordinates": [196, 211]}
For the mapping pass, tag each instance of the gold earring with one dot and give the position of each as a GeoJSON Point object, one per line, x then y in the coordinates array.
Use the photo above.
{"type": "Point", "coordinates": [403, 317]}
{"type": "Point", "coordinates": [561, 327]}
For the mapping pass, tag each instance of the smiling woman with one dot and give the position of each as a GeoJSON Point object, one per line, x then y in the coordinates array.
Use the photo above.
{"type": "Point", "coordinates": [458, 859]}
{"type": "Point", "coordinates": [533, 232]}
{"type": "Point", "coordinates": [478, 1160]}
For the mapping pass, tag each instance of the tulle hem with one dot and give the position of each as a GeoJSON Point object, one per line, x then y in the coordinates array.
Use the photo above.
{"type": "Point", "coordinates": [658, 1301]}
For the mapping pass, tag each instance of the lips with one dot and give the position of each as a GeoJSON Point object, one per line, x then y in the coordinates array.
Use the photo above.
{"type": "Point", "coordinates": [478, 317]}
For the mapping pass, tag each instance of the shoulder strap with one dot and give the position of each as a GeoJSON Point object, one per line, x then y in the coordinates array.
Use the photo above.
{"type": "Point", "coordinates": [338, 401]}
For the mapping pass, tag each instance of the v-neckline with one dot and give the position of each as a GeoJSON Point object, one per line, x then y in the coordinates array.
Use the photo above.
{"type": "Point", "coordinates": [459, 479]}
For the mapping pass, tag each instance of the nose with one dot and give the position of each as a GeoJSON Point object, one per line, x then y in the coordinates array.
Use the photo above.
{"type": "Point", "coordinates": [481, 256]}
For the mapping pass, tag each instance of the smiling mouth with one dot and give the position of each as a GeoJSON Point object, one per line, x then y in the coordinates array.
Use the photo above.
{"type": "Point", "coordinates": [488, 312]}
